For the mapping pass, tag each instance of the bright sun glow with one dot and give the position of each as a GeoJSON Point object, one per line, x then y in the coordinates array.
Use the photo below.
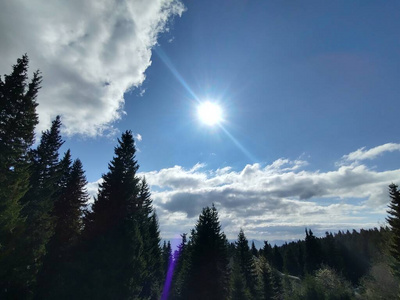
{"type": "Point", "coordinates": [209, 113]}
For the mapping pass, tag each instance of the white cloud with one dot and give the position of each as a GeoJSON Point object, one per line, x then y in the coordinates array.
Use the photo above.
{"type": "Point", "coordinates": [363, 154]}
{"type": "Point", "coordinates": [92, 189]}
{"type": "Point", "coordinates": [138, 137]}
{"type": "Point", "coordinates": [281, 195]}
{"type": "Point", "coordinates": [90, 53]}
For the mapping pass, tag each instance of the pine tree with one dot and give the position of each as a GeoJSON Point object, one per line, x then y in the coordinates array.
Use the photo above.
{"type": "Point", "coordinates": [240, 290]}
{"type": "Point", "coordinates": [114, 242]}
{"type": "Point", "coordinates": [254, 250]}
{"type": "Point", "coordinates": [394, 223]}
{"type": "Point", "coordinates": [268, 285]}
{"type": "Point", "coordinates": [45, 186]}
{"type": "Point", "coordinates": [18, 119]}
{"type": "Point", "coordinates": [167, 256]}
{"type": "Point", "coordinates": [208, 277]}
{"type": "Point", "coordinates": [68, 211]}
{"type": "Point", "coordinates": [312, 252]}
{"type": "Point", "coordinates": [178, 272]}
{"type": "Point", "coordinates": [245, 262]}
{"type": "Point", "coordinates": [149, 228]}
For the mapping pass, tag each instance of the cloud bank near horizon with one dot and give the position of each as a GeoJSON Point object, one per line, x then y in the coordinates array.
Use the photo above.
{"type": "Point", "coordinates": [90, 53]}
{"type": "Point", "coordinates": [275, 201]}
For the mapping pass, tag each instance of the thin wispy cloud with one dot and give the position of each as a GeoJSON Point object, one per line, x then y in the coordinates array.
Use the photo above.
{"type": "Point", "coordinates": [364, 154]}
{"type": "Point", "coordinates": [89, 52]}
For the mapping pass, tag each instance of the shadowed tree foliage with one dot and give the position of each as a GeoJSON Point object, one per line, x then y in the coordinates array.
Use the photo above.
{"type": "Point", "coordinates": [166, 256]}
{"type": "Point", "coordinates": [121, 237]}
{"type": "Point", "coordinates": [394, 223]}
{"type": "Point", "coordinates": [208, 277]}
{"type": "Point", "coordinates": [245, 262]}
{"type": "Point", "coordinates": [153, 273]}
{"type": "Point", "coordinates": [181, 260]}
{"type": "Point", "coordinates": [312, 252]}
{"type": "Point", "coordinates": [68, 211]}
{"type": "Point", "coordinates": [45, 185]}
{"type": "Point", "coordinates": [18, 119]}
{"type": "Point", "coordinates": [267, 282]}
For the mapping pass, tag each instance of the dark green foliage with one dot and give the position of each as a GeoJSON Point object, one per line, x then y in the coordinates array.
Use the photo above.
{"type": "Point", "coordinates": [254, 250]}
{"type": "Point", "coordinates": [18, 119]}
{"type": "Point", "coordinates": [45, 183]}
{"type": "Point", "coordinates": [245, 264]}
{"type": "Point", "coordinates": [166, 256]}
{"type": "Point", "coordinates": [153, 273]}
{"type": "Point", "coordinates": [268, 284]}
{"type": "Point", "coordinates": [181, 259]}
{"type": "Point", "coordinates": [239, 287]}
{"type": "Point", "coordinates": [208, 277]}
{"type": "Point", "coordinates": [394, 223]}
{"type": "Point", "coordinates": [277, 259]}
{"type": "Point", "coordinates": [114, 253]}
{"type": "Point", "coordinates": [312, 252]}
{"type": "Point", "coordinates": [68, 211]}
{"type": "Point", "coordinates": [291, 264]}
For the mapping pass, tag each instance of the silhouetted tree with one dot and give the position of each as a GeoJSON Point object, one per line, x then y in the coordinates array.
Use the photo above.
{"type": "Point", "coordinates": [208, 277]}
{"type": "Point", "coordinates": [53, 281]}
{"type": "Point", "coordinates": [254, 250]}
{"type": "Point", "coordinates": [38, 203]}
{"type": "Point", "coordinates": [245, 262]}
{"type": "Point", "coordinates": [167, 256]}
{"type": "Point", "coordinates": [148, 222]}
{"type": "Point", "coordinates": [18, 119]}
{"type": "Point", "coordinates": [114, 244]}
{"type": "Point", "coordinates": [312, 252]}
{"type": "Point", "coordinates": [394, 223]}
{"type": "Point", "coordinates": [180, 269]}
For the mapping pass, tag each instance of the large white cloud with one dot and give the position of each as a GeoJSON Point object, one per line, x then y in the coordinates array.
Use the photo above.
{"type": "Point", "coordinates": [90, 53]}
{"type": "Point", "coordinates": [275, 201]}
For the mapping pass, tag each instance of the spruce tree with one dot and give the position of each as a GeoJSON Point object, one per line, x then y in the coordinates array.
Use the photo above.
{"type": "Point", "coordinates": [268, 286]}
{"type": "Point", "coordinates": [167, 256]}
{"type": "Point", "coordinates": [68, 211]}
{"type": "Point", "coordinates": [394, 223]}
{"type": "Point", "coordinates": [208, 276]}
{"type": "Point", "coordinates": [18, 119]}
{"type": "Point", "coordinates": [244, 260]}
{"type": "Point", "coordinates": [179, 271]}
{"type": "Point", "coordinates": [38, 202]}
{"type": "Point", "coordinates": [153, 275]}
{"type": "Point", "coordinates": [312, 252]}
{"type": "Point", "coordinates": [114, 258]}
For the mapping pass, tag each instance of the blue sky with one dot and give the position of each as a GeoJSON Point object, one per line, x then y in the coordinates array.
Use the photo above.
{"type": "Point", "coordinates": [309, 91]}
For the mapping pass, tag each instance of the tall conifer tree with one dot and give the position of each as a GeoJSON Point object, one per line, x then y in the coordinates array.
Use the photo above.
{"type": "Point", "coordinates": [45, 185]}
{"type": "Point", "coordinates": [115, 259]}
{"type": "Point", "coordinates": [18, 119]}
{"type": "Point", "coordinates": [245, 261]}
{"type": "Point", "coordinates": [394, 223]}
{"type": "Point", "coordinates": [208, 277]}
{"type": "Point", "coordinates": [68, 211]}
{"type": "Point", "coordinates": [149, 229]}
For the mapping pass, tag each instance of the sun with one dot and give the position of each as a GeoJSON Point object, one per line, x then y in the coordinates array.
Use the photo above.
{"type": "Point", "coordinates": [209, 113]}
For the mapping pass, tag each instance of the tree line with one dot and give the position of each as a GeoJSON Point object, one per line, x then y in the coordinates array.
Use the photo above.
{"type": "Point", "coordinates": [54, 245]}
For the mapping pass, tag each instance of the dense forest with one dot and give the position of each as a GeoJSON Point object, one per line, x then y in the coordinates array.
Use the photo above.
{"type": "Point", "coordinates": [54, 245]}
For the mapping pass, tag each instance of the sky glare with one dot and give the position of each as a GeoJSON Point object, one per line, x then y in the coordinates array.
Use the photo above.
{"type": "Point", "coordinates": [308, 92]}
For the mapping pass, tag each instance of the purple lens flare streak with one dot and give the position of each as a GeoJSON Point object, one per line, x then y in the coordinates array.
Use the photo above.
{"type": "Point", "coordinates": [168, 279]}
